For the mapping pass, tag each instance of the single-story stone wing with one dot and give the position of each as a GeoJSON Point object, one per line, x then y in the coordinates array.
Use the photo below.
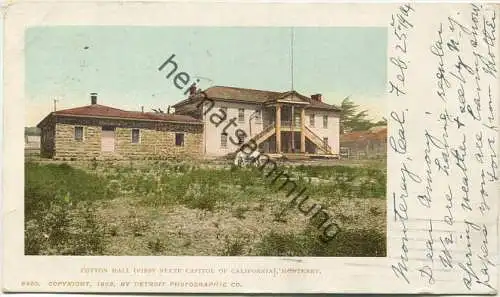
{"type": "Point", "coordinates": [98, 131]}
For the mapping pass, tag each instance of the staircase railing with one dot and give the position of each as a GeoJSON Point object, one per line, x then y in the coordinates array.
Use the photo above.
{"type": "Point", "coordinates": [263, 132]}
{"type": "Point", "coordinates": [318, 141]}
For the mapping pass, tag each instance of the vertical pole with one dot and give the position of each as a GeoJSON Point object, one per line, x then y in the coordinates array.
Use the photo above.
{"type": "Point", "coordinates": [302, 130]}
{"type": "Point", "coordinates": [278, 128]}
{"type": "Point", "coordinates": [291, 55]}
{"type": "Point", "coordinates": [292, 128]}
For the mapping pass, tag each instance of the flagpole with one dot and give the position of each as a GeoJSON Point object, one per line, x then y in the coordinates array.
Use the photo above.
{"type": "Point", "coordinates": [291, 50]}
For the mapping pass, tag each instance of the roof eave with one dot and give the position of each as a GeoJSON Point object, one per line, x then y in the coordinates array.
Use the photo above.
{"type": "Point", "coordinates": [332, 108]}
{"type": "Point", "coordinates": [220, 99]}
{"type": "Point", "coordinates": [41, 123]}
{"type": "Point", "coordinates": [130, 119]}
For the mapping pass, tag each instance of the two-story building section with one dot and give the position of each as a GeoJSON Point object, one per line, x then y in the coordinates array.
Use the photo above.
{"type": "Point", "coordinates": [279, 122]}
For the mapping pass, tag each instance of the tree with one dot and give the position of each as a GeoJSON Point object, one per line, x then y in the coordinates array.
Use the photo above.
{"type": "Point", "coordinates": [353, 120]}
{"type": "Point", "coordinates": [382, 122]}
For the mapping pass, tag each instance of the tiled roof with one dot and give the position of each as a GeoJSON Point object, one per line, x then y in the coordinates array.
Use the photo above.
{"type": "Point", "coordinates": [379, 135]}
{"type": "Point", "coordinates": [242, 94]}
{"type": "Point", "coordinates": [255, 96]}
{"type": "Point", "coordinates": [97, 110]}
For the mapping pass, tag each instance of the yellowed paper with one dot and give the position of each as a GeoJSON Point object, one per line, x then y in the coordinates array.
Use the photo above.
{"type": "Point", "coordinates": [418, 216]}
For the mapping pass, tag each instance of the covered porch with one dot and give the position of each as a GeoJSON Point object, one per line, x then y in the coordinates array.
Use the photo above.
{"type": "Point", "coordinates": [288, 121]}
{"type": "Point", "coordinates": [285, 131]}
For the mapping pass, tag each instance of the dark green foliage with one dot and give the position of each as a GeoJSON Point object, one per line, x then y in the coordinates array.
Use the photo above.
{"type": "Point", "coordinates": [59, 212]}
{"type": "Point", "coordinates": [352, 119]}
{"type": "Point", "coordinates": [64, 228]}
{"type": "Point", "coordinates": [43, 183]}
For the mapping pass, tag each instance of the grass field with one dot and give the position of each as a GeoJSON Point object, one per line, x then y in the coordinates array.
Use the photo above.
{"type": "Point", "coordinates": [161, 208]}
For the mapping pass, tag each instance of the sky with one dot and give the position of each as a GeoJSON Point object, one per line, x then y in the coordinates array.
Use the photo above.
{"type": "Point", "coordinates": [121, 64]}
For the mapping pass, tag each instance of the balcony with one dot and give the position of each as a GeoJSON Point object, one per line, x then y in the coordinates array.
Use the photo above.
{"type": "Point", "coordinates": [291, 125]}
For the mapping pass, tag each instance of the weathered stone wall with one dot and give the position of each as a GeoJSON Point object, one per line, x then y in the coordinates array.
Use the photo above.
{"type": "Point", "coordinates": [157, 140]}
{"type": "Point", "coordinates": [67, 147]}
{"type": "Point", "coordinates": [47, 141]}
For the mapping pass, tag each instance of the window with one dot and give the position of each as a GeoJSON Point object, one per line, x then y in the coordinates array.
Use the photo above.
{"type": "Point", "coordinates": [179, 139]}
{"type": "Point", "coordinates": [241, 115]}
{"type": "Point", "coordinates": [311, 120]}
{"type": "Point", "coordinates": [325, 141]}
{"type": "Point", "coordinates": [223, 140]}
{"type": "Point", "coordinates": [325, 121]}
{"type": "Point", "coordinates": [135, 136]}
{"type": "Point", "coordinates": [79, 133]}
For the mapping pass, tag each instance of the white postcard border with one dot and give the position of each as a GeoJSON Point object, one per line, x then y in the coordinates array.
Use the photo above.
{"type": "Point", "coordinates": [346, 275]}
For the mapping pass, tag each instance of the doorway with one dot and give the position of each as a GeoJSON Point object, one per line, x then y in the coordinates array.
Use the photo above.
{"type": "Point", "coordinates": [108, 139]}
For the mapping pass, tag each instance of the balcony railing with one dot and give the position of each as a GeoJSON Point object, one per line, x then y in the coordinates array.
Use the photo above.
{"type": "Point", "coordinates": [295, 124]}
{"type": "Point", "coordinates": [285, 124]}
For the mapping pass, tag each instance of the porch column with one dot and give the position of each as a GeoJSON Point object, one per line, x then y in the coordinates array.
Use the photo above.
{"type": "Point", "coordinates": [278, 128]}
{"type": "Point", "coordinates": [302, 130]}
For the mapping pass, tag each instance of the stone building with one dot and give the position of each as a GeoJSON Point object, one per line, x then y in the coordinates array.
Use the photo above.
{"type": "Point", "coordinates": [370, 144]}
{"type": "Point", "coordinates": [101, 132]}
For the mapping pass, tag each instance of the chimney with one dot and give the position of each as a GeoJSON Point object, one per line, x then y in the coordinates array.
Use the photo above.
{"type": "Point", "coordinates": [316, 97]}
{"type": "Point", "coordinates": [93, 98]}
{"type": "Point", "coordinates": [142, 109]}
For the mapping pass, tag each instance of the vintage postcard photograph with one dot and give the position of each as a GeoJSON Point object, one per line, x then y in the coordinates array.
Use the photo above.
{"type": "Point", "coordinates": [324, 149]}
{"type": "Point", "coordinates": [134, 154]}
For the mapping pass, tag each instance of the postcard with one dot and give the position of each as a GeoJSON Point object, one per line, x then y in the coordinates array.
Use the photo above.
{"type": "Point", "coordinates": [236, 147]}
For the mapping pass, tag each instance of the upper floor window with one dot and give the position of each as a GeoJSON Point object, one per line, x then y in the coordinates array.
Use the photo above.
{"type": "Point", "coordinates": [241, 115]}
{"type": "Point", "coordinates": [79, 133]}
{"type": "Point", "coordinates": [325, 121]}
{"type": "Point", "coordinates": [311, 120]}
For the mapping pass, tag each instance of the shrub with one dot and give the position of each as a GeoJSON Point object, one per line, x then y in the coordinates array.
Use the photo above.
{"type": "Point", "coordinates": [239, 212]}
{"type": "Point", "coordinates": [64, 228]}
{"type": "Point", "coordinates": [156, 246]}
{"type": "Point", "coordinates": [234, 246]}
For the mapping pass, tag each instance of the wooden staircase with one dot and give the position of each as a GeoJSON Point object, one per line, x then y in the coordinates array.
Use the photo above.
{"type": "Point", "coordinates": [264, 134]}
{"type": "Point", "coordinates": [314, 138]}
{"type": "Point", "coordinates": [309, 134]}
